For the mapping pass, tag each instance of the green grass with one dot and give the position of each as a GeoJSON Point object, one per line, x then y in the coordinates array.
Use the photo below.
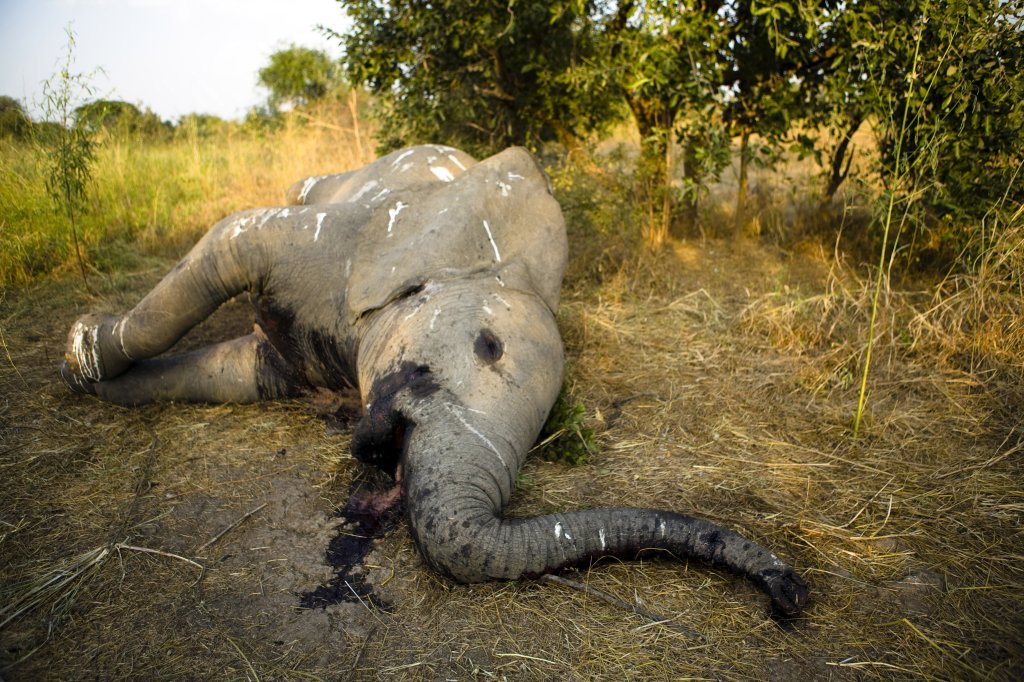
{"type": "Point", "coordinates": [157, 197]}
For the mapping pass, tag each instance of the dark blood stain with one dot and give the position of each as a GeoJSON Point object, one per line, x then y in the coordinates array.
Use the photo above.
{"type": "Point", "coordinates": [381, 434]}
{"type": "Point", "coordinates": [335, 362]}
{"type": "Point", "coordinates": [276, 324]}
{"type": "Point", "coordinates": [277, 350]}
{"type": "Point", "coordinates": [488, 346]}
{"type": "Point", "coordinates": [369, 514]}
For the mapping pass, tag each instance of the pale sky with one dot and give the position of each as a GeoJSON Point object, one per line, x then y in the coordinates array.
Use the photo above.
{"type": "Point", "coordinates": [172, 56]}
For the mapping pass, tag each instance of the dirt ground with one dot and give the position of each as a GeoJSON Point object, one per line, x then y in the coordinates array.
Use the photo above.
{"type": "Point", "coordinates": [177, 541]}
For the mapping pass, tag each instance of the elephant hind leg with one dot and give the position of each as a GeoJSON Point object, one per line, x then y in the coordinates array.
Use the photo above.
{"type": "Point", "coordinates": [242, 370]}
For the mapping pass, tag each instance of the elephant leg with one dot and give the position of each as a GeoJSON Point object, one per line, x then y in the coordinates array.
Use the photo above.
{"type": "Point", "coordinates": [226, 261]}
{"type": "Point", "coordinates": [242, 370]}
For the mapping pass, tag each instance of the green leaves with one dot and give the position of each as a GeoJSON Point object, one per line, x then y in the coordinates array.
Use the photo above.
{"type": "Point", "coordinates": [565, 436]}
{"type": "Point", "coordinates": [479, 75]}
{"type": "Point", "coordinates": [298, 76]}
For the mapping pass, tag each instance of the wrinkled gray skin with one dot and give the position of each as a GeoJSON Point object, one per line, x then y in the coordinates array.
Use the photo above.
{"type": "Point", "coordinates": [428, 281]}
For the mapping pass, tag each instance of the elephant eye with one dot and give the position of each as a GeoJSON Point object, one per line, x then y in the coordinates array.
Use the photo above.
{"type": "Point", "coordinates": [488, 346]}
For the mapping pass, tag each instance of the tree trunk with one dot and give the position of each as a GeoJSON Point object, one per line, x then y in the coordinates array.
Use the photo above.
{"type": "Point", "coordinates": [666, 192]}
{"type": "Point", "coordinates": [687, 223]}
{"type": "Point", "coordinates": [741, 189]}
{"type": "Point", "coordinates": [839, 170]}
{"type": "Point", "coordinates": [655, 124]}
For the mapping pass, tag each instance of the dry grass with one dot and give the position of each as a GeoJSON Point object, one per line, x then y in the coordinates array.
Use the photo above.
{"type": "Point", "coordinates": [158, 198]}
{"type": "Point", "coordinates": [720, 376]}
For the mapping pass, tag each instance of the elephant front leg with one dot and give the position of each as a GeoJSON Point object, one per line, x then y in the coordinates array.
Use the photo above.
{"type": "Point", "coordinates": [227, 261]}
{"type": "Point", "coordinates": [242, 370]}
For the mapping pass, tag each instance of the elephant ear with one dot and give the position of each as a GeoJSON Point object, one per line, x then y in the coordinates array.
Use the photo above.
{"type": "Point", "coordinates": [499, 215]}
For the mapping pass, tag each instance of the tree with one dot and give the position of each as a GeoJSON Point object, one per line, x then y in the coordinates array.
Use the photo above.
{"type": "Point", "coordinates": [202, 125]}
{"type": "Point", "coordinates": [666, 55]}
{"type": "Point", "coordinates": [14, 122]}
{"type": "Point", "coordinates": [775, 55]}
{"type": "Point", "coordinates": [479, 74]}
{"type": "Point", "coordinates": [70, 151]}
{"type": "Point", "coordinates": [298, 76]}
{"type": "Point", "coordinates": [957, 69]}
{"type": "Point", "coordinates": [116, 117]}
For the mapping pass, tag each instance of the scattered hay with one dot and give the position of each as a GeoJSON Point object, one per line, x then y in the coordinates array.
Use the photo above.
{"type": "Point", "coordinates": [713, 377]}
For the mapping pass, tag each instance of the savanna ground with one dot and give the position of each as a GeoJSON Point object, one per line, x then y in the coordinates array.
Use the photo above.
{"type": "Point", "coordinates": [721, 376]}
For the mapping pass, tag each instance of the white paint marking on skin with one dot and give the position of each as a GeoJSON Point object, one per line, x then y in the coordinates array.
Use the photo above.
{"type": "Point", "coordinates": [443, 149]}
{"type": "Point", "coordinates": [319, 223]}
{"type": "Point", "coordinates": [490, 238]}
{"type": "Point", "coordinates": [499, 281]}
{"type": "Point", "coordinates": [119, 330]}
{"type": "Point", "coordinates": [380, 195]}
{"type": "Point", "coordinates": [241, 224]}
{"type": "Point", "coordinates": [443, 211]}
{"type": "Point", "coordinates": [558, 531]}
{"type": "Point", "coordinates": [93, 360]}
{"type": "Point", "coordinates": [453, 159]}
{"type": "Point", "coordinates": [308, 185]}
{"type": "Point", "coordinates": [515, 176]}
{"type": "Point", "coordinates": [508, 306]}
{"type": "Point", "coordinates": [431, 159]}
{"type": "Point", "coordinates": [505, 189]}
{"type": "Point", "coordinates": [488, 311]}
{"type": "Point", "coordinates": [363, 190]}
{"type": "Point", "coordinates": [393, 267]}
{"type": "Point", "coordinates": [437, 311]}
{"type": "Point", "coordinates": [661, 528]}
{"type": "Point", "coordinates": [348, 267]}
{"type": "Point", "coordinates": [284, 213]}
{"type": "Point", "coordinates": [567, 536]}
{"type": "Point", "coordinates": [455, 411]}
{"type": "Point", "coordinates": [405, 166]}
{"type": "Point", "coordinates": [89, 362]}
{"type": "Point", "coordinates": [415, 310]}
{"type": "Point", "coordinates": [442, 173]}
{"type": "Point", "coordinates": [393, 215]}
{"type": "Point", "coordinates": [600, 535]}
{"type": "Point", "coordinates": [401, 156]}
{"type": "Point", "coordinates": [267, 215]}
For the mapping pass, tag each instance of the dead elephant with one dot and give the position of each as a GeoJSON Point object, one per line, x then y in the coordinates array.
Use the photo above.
{"type": "Point", "coordinates": [428, 281]}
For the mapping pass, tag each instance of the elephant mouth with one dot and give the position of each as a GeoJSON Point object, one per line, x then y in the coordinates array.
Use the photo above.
{"type": "Point", "coordinates": [381, 435]}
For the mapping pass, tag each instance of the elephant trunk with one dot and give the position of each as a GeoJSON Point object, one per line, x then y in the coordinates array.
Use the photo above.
{"type": "Point", "coordinates": [458, 476]}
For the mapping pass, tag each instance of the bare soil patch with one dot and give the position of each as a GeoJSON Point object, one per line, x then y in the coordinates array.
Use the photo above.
{"type": "Point", "coordinates": [720, 379]}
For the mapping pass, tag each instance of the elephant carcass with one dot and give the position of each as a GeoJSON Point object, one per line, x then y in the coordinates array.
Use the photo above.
{"type": "Point", "coordinates": [429, 282]}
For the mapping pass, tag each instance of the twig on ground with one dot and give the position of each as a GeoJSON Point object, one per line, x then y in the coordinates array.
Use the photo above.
{"type": "Point", "coordinates": [622, 604]}
{"type": "Point", "coordinates": [119, 546]}
{"type": "Point", "coordinates": [231, 527]}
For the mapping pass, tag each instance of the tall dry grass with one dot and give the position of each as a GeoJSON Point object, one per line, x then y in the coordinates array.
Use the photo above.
{"type": "Point", "coordinates": [158, 197]}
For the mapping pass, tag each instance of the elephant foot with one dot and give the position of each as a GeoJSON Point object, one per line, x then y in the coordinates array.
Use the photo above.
{"type": "Point", "coordinates": [75, 381]}
{"type": "Point", "coordinates": [91, 355]}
